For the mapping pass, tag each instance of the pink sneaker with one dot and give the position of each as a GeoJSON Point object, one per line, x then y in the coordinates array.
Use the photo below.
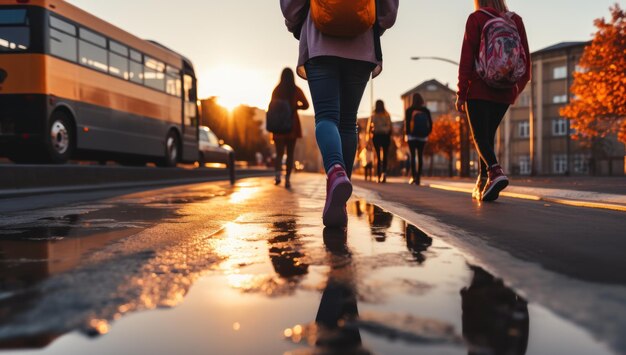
{"type": "Point", "coordinates": [338, 191]}
{"type": "Point", "coordinates": [497, 182]}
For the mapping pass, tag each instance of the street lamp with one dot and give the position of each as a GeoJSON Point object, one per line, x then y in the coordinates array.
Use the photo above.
{"type": "Point", "coordinates": [437, 58]}
{"type": "Point", "coordinates": [464, 148]}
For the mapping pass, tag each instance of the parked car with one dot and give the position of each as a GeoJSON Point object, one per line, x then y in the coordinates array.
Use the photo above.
{"type": "Point", "coordinates": [213, 150]}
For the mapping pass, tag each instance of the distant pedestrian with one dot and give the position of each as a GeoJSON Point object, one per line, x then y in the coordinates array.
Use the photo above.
{"type": "Point", "coordinates": [366, 158]}
{"type": "Point", "coordinates": [339, 50]}
{"type": "Point", "coordinates": [379, 130]}
{"type": "Point", "coordinates": [288, 92]}
{"type": "Point", "coordinates": [418, 124]}
{"type": "Point", "coordinates": [494, 70]}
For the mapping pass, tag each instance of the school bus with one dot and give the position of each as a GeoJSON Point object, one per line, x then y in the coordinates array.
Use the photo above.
{"type": "Point", "coordinates": [75, 86]}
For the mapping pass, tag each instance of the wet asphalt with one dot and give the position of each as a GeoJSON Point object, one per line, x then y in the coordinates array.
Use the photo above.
{"type": "Point", "coordinates": [211, 268]}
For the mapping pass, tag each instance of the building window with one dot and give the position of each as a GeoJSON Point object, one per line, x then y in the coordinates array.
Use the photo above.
{"type": "Point", "coordinates": [524, 165]}
{"type": "Point", "coordinates": [431, 88]}
{"type": "Point", "coordinates": [580, 164]}
{"type": "Point", "coordinates": [523, 129]}
{"type": "Point", "coordinates": [524, 100]}
{"type": "Point", "coordinates": [559, 73]}
{"type": "Point", "coordinates": [559, 99]}
{"type": "Point", "coordinates": [559, 164]}
{"type": "Point", "coordinates": [433, 106]}
{"type": "Point", "coordinates": [559, 127]}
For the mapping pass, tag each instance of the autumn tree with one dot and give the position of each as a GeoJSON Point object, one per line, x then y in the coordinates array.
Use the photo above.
{"type": "Point", "coordinates": [445, 139]}
{"type": "Point", "coordinates": [598, 108]}
{"type": "Point", "coordinates": [240, 128]}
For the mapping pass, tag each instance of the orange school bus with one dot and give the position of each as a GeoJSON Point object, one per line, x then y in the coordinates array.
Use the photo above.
{"type": "Point", "coordinates": [75, 86]}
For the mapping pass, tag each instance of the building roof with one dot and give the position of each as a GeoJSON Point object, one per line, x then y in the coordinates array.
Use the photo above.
{"type": "Point", "coordinates": [561, 46]}
{"type": "Point", "coordinates": [425, 84]}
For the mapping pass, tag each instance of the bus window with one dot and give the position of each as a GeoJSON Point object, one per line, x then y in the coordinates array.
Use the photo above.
{"type": "Point", "coordinates": [191, 107]}
{"type": "Point", "coordinates": [136, 67]}
{"type": "Point", "coordinates": [63, 39]}
{"type": "Point", "coordinates": [172, 81]}
{"type": "Point", "coordinates": [118, 60]}
{"type": "Point", "coordinates": [153, 74]}
{"type": "Point", "coordinates": [92, 50]}
{"type": "Point", "coordinates": [118, 65]}
{"type": "Point", "coordinates": [14, 31]}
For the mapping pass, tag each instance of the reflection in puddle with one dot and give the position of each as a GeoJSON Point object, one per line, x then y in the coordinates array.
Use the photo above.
{"type": "Point", "coordinates": [283, 286]}
{"type": "Point", "coordinates": [495, 319]}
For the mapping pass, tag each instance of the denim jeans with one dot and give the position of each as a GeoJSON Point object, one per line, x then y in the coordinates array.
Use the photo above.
{"type": "Point", "coordinates": [337, 86]}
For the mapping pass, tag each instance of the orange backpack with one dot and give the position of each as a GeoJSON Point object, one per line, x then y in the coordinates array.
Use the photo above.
{"type": "Point", "coordinates": [343, 18]}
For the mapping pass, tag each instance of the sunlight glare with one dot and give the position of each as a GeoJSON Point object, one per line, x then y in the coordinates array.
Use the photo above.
{"type": "Point", "coordinates": [234, 86]}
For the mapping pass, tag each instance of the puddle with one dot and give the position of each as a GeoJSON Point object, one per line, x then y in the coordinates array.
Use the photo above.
{"type": "Point", "coordinates": [285, 286]}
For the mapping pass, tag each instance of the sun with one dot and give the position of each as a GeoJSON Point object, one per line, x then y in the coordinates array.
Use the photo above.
{"type": "Point", "coordinates": [235, 86]}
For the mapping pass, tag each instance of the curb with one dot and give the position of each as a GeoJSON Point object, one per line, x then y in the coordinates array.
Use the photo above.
{"type": "Point", "coordinates": [548, 199]}
{"type": "Point", "coordinates": [12, 193]}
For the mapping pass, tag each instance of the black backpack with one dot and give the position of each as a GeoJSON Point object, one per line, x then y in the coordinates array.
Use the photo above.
{"type": "Point", "coordinates": [279, 117]}
{"type": "Point", "coordinates": [420, 124]}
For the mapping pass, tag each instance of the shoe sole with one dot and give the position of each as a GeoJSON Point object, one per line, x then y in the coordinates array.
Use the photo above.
{"type": "Point", "coordinates": [494, 192]}
{"type": "Point", "coordinates": [334, 213]}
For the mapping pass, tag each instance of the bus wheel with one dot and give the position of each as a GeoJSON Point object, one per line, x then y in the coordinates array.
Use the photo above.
{"type": "Point", "coordinates": [172, 151]}
{"type": "Point", "coordinates": [60, 138]}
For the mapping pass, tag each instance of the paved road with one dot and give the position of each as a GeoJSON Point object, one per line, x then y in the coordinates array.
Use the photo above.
{"type": "Point", "coordinates": [582, 243]}
{"type": "Point", "coordinates": [211, 268]}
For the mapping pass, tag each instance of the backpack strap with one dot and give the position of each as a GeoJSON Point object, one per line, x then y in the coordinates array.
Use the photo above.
{"type": "Point", "coordinates": [378, 50]}
{"type": "Point", "coordinates": [488, 13]}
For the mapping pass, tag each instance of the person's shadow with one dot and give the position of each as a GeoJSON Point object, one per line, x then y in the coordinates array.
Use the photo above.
{"type": "Point", "coordinates": [495, 318]}
{"type": "Point", "coordinates": [336, 331]}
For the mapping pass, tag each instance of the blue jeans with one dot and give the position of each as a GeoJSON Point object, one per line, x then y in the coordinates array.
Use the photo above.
{"type": "Point", "coordinates": [337, 86]}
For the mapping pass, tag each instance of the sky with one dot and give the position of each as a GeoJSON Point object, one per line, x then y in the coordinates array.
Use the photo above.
{"type": "Point", "coordinates": [239, 47]}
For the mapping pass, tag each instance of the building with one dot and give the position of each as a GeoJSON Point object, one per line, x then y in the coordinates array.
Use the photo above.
{"type": "Point", "coordinates": [555, 153]}
{"type": "Point", "coordinates": [440, 99]}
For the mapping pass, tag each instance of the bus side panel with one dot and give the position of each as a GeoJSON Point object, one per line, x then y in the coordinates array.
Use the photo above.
{"type": "Point", "coordinates": [114, 115]}
{"type": "Point", "coordinates": [23, 101]}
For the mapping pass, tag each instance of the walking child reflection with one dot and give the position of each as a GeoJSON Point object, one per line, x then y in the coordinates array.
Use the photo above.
{"type": "Point", "coordinates": [417, 242]}
{"type": "Point", "coordinates": [380, 221]}
{"type": "Point", "coordinates": [495, 318]}
{"type": "Point", "coordinates": [338, 307]}
{"type": "Point", "coordinates": [286, 251]}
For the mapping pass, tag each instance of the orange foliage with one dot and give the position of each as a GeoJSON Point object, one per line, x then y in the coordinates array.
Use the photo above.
{"type": "Point", "coordinates": [599, 105]}
{"type": "Point", "coordinates": [445, 138]}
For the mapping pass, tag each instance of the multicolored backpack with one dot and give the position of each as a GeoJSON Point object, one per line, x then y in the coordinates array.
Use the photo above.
{"type": "Point", "coordinates": [343, 18]}
{"type": "Point", "coordinates": [502, 58]}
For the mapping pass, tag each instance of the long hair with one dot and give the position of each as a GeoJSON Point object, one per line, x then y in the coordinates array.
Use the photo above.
{"type": "Point", "coordinates": [499, 5]}
{"type": "Point", "coordinates": [380, 107]}
{"type": "Point", "coordinates": [286, 89]}
{"type": "Point", "coordinates": [418, 101]}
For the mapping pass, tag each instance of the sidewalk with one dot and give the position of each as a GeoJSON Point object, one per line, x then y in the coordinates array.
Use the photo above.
{"type": "Point", "coordinates": [602, 192]}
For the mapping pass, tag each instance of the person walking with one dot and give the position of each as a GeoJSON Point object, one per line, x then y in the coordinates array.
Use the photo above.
{"type": "Point", "coordinates": [494, 69]}
{"type": "Point", "coordinates": [379, 129]}
{"type": "Point", "coordinates": [289, 92]}
{"type": "Point", "coordinates": [339, 51]}
{"type": "Point", "coordinates": [418, 124]}
{"type": "Point", "coordinates": [366, 158]}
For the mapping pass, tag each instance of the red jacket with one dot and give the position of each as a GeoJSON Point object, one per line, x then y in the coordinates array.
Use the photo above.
{"type": "Point", "coordinates": [471, 86]}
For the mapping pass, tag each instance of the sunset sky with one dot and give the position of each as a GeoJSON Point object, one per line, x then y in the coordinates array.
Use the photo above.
{"type": "Point", "coordinates": [239, 47]}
